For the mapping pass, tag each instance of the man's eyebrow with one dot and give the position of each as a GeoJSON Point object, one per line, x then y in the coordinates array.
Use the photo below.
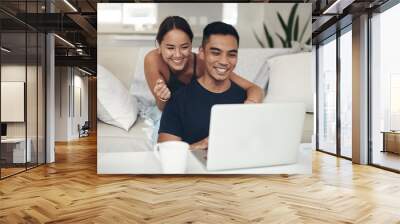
{"type": "Point", "coordinates": [233, 51]}
{"type": "Point", "coordinates": [214, 49]}
{"type": "Point", "coordinates": [170, 45]}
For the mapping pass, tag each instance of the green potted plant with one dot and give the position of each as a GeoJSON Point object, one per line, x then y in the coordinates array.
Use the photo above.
{"type": "Point", "coordinates": [292, 36]}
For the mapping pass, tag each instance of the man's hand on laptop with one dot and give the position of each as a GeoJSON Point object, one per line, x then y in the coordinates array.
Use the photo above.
{"type": "Point", "coordinates": [251, 101]}
{"type": "Point", "coordinates": [203, 144]}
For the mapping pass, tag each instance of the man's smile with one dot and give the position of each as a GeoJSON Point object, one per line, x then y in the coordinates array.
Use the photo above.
{"type": "Point", "coordinates": [220, 70]}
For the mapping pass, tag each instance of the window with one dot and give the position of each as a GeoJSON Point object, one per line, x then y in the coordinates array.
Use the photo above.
{"type": "Point", "coordinates": [346, 94]}
{"type": "Point", "coordinates": [395, 102]}
{"type": "Point", "coordinates": [230, 13]}
{"type": "Point", "coordinates": [140, 15]}
{"type": "Point", "coordinates": [385, 87]}
{"type": "Point", "coordinates": [327, 97]}
{"type": "Point", "coordinates": [109, 13]}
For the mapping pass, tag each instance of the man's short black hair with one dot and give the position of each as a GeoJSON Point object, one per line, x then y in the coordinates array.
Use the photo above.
{"type": "Point", "coordinates": [219, 28]}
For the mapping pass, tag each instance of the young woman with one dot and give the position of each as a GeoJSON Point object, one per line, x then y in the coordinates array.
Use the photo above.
{"type": "Point", "coordinates": [173, 64]}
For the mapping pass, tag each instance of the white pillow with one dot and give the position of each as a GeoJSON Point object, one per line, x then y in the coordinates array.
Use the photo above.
{"type": "Point", "coordinates": [262, 77]}
{"type": "Point", "coordinates": [115, 105]}
{"type": "Point", "coordinates": [251, 61]}
{"type": "Point", "coordinates": [290, 79]}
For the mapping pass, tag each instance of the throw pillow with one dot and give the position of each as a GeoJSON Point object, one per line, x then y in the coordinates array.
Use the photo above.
{"type": "Point", "coordinates": [115, 105]}
{"type": "Point", "coordinates": [290, 79]}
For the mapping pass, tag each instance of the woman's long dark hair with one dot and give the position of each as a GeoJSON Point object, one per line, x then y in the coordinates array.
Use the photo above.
{"type": "Point", "coordinates": [173, 22]}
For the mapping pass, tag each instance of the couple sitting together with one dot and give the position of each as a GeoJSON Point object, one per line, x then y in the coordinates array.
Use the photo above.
{"type": "Point", "coordinates": [186, 85]}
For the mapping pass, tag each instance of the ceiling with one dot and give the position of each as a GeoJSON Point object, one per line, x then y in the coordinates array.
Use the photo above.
{"type": "Point", "coordinates": [77, 23]}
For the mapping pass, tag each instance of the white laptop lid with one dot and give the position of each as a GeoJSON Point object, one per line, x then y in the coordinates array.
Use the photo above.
{"type": "Point", "coordinates": [254, 135]}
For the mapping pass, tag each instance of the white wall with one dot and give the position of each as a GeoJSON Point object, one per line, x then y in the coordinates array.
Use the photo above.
{"type": "Point", "coordinates": [67, 81]}
{"type": "Point", "coordinates": [17, 73]}
{"type": "Point", "coordinates": [79, 117]}
{"type": "Point", "coordinates": [121, 39]}
{"type": "Point", "coordinates": [108, 51]}
{"type": "Point", "coordinates": [33, 126]}
{"type": "Point", "coordinates": [12, 73]}
{"type": "Point", "coordinates": [250, 18]}
{"type": "Point", "coordinates": [62, 80]}
{"type": "Point", "coordinates": [12, 101]}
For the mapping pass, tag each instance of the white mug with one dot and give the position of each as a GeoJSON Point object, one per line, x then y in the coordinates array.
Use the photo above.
{"type": "Point", "coordinates": [172, 156]}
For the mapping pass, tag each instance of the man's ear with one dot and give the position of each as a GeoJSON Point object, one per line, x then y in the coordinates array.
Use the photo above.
{"type": "Point", "coordinates": [201, 53]}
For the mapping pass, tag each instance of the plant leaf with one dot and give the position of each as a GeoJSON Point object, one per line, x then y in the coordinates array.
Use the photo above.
{"type": "Point", "coordinates": [258, 39]}
{"type": "Point", "coordinates": [269, 37]}
{"type": "Point", "coordinates": [304, 28]}
{"type": "Point", "coordinates": [290, 24]}
{"type": "Point", "coordinates": [296, 30]}
{"type": "Point", "coordinates": [284, 27]}
{"type": "Point", "coordinates": [284, 43]}
{"type": "Point", "coordinates": [282, 22]}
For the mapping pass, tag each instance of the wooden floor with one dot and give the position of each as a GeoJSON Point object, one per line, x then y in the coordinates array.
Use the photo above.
{"type": "Point", "coordinates": [10, 171]}
{"type": "Point", "coordinates": [387, 159]}
{"type": "Point", "coordinates": [70, 191]}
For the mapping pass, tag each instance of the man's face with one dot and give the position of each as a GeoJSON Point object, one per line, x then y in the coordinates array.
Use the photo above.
{"type": "Point", "coordinates": [220, 56]}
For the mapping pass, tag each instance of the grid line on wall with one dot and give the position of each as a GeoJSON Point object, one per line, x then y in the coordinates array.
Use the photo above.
{"type": "Point", "coordinates": [338, 76]}
{"type": "Point", "coordinates": [369, 90]}
{"type": "Point", "coordinates": [317, 98]}
{"type": "Point", "coordinates": [28, 31]}
{"type": "Point", "coordinates": [0, 95]}
{"type": "Point", "coordinates": [25, 89]}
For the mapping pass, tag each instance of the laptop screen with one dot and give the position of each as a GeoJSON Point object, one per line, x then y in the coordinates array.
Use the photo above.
{"type": "Point", "coordinates": [3, 129]}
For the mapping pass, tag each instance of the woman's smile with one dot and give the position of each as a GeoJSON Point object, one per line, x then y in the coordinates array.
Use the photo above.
{"type": "Point", "coordinates": [178, 61]}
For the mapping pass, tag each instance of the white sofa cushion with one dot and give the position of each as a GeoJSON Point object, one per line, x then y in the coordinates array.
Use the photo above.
{"type": "Point", "coordinates": [113, 139]}
{"type": "Point", "coordinates": [115, 105]}
{"type": "Point", "coordinates": [290, 79]}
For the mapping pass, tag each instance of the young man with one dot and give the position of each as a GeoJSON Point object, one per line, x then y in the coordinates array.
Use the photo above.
{"type": "Point", "coordinates": [186, 117]}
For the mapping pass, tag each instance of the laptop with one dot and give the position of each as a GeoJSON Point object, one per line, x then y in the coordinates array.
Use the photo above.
{"type": "Point", "coordinates": [253, 135]}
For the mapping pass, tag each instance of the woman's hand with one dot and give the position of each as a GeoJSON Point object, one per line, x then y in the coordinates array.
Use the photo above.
{"type": "Point", "coordinates": [161, 90]}
{"type": "Point", "coordinates": [254, 93]}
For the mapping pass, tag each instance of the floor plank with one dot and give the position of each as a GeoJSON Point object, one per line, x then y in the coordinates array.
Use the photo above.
{"type": "Point", "coordinates": [70, 191]}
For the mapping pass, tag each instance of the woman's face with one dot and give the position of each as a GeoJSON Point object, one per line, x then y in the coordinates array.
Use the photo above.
{"type": "Point", "coordinates": [175, 49]}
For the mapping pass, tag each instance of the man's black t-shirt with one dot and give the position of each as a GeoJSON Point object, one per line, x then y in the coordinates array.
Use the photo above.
{"type": "Point", "coordinates": [187, 113]}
